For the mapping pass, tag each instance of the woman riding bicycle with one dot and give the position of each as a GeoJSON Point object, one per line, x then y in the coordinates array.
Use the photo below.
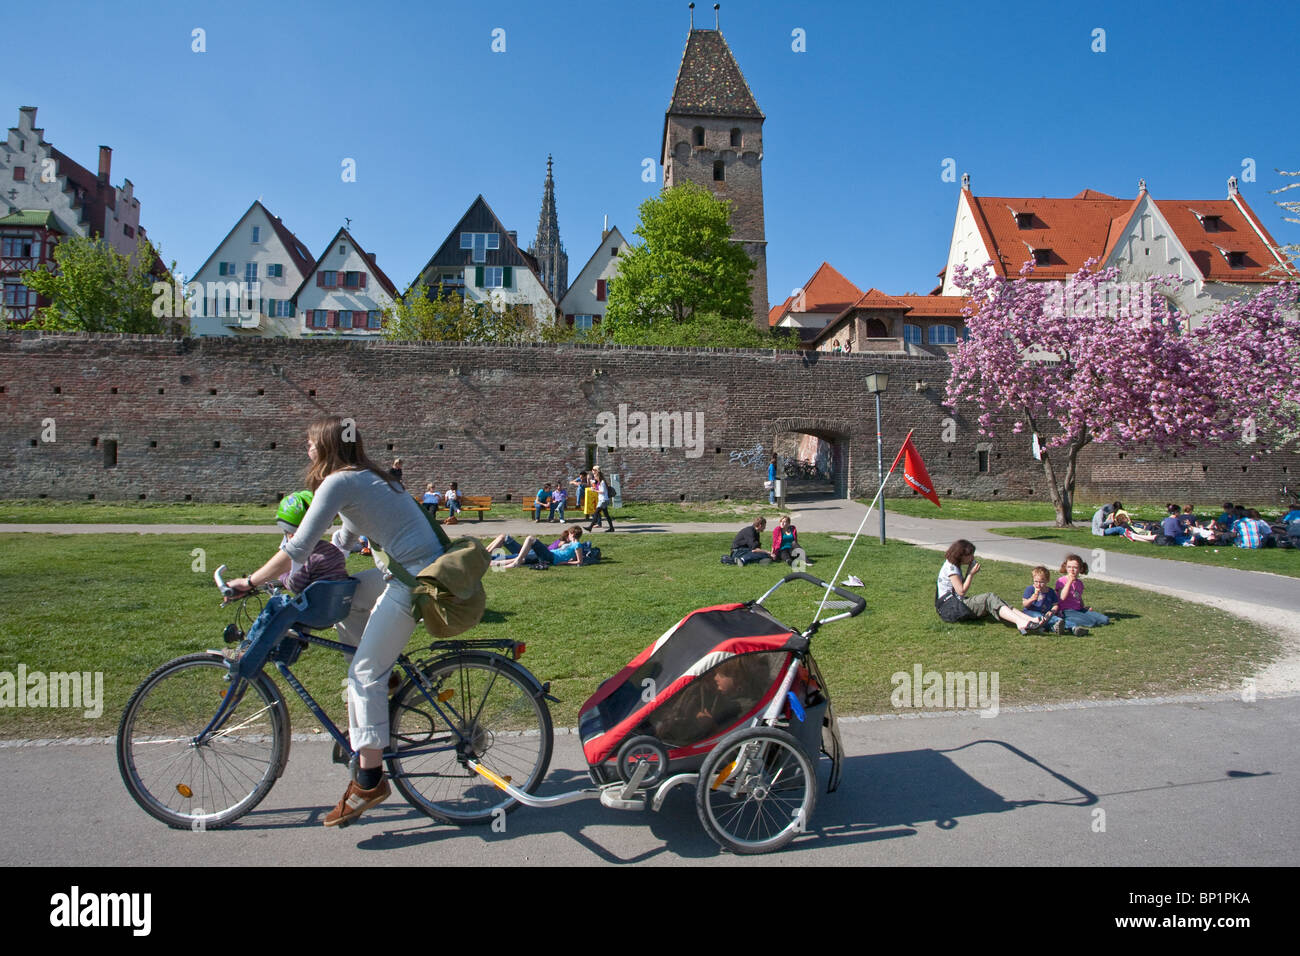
{"type": "Point", "coordinates": [345, 482]}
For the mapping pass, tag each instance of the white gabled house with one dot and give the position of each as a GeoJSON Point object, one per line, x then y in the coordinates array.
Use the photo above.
{"type": "Point", "coordinates": [481, 260]}
{"type": "Point", "coordinates": [1217, 247]}
{"type": "Point", "coordinates": [587, 298]}
{"type": "Point", "coordinates": [246, 286]}
{"type": "Point", "coordinates": [345, 293]}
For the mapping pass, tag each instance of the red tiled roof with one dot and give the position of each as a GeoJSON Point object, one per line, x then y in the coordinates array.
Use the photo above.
{"type": "Point", "coordinates": [933, 305]}
{"type": "Point", "coordinates": [1091, 224]}
{"type": "Point", "coordinates": [826, 291]}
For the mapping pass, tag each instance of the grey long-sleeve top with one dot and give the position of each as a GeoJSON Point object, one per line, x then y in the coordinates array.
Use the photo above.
{"type": "Point", "coordinates": [371, 506]}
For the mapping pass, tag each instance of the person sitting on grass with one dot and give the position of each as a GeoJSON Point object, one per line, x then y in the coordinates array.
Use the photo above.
{"type": "Point", "coordinates": [1042, 601]}
{"type": "Point", "coordinates": [533, 552]}
{"type": "Point", "coordinates": [1070, 587]}
{"type": "Point", "coordinates": [785, 543]}
{"type": "Point", "coordinates": [745, 545]}
{"type": "Point", "coordinates": [952, 582]}
{"type": "Point", "coordinates": [1253, 532]}
{"type": "Point", "coordinates": [1173, 528]}
{"type": "Point", "coordinates": [1104, 521]}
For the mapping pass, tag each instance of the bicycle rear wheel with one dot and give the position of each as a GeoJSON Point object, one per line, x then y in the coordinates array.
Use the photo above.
{"type": "Point", "coordinates": [494, 715]}
{"type": "Point", "coordinates": [208, 785]}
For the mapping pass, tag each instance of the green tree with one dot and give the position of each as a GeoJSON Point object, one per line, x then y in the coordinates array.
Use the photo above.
{"type": "Point", "coordinates": [94, 288]}
{"type": "Point", "coordinates": [685, 265]}
{"type": "Point", "coordinates": [446, 317]}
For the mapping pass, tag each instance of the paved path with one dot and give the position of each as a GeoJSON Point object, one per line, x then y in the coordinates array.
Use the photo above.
{"type": "Point", "coordinates": [1191, 782]}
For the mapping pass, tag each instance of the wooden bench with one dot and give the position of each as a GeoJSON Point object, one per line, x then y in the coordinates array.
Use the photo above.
{"type": "Point", "coordinates": [479, 503]}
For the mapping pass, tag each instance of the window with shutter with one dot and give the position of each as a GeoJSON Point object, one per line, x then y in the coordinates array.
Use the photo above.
{"type": "Point", "coordinates": [320, 280]}
{"type": "Point", "coordinates": [507, 277]}
{"type": "Point", "coordinates": [333, 320]}
{"type": "Point", "coordinates": [363, 280]}
{"type": "Point", "coordinates": [478, 277]}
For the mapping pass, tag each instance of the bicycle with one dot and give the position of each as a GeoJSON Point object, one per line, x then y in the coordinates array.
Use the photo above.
{"type": "Point", "coordinates": [193, 767]}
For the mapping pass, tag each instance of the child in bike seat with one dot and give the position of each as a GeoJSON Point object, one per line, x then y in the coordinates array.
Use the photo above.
{"type": "Point", "coordinates": [325, 563]}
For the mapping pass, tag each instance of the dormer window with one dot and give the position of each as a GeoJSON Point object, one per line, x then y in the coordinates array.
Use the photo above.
{"type": "Point", "coordinates": [1236, 260]}
{"type": "Point", "coordinates": [1042, 257]}
{"type": "Point", "coordinates": [1212, 222]}
{"type": "Point", "coordinates": [1024, 220]}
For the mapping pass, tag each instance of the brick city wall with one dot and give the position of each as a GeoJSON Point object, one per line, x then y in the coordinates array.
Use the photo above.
{"type": "Point", "coordinates": [122, 417]}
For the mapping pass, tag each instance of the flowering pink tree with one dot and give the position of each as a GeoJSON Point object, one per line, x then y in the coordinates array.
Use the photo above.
{"type": "Point", "coordinates": [1100, 359]}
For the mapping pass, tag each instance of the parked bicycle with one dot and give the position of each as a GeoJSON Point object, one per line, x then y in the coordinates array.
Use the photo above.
{"type": "Point", "coordinates": [201, 744]}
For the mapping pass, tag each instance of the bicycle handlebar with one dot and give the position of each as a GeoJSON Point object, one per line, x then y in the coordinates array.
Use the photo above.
{"type": "Point", "coordinates": [218, 576]}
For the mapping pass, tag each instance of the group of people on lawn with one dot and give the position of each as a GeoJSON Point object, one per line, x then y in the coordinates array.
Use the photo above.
{"type": "Point", "coordinates": [747, 547]}
{"type": "Point", "coordinates": [1043, 608]}
{"type": "Point", "coordinates": [592, 494]}
{"type": "Point", "coordinates": [1237, 526]}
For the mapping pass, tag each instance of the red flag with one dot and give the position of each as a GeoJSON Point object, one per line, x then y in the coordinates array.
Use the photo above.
{"type": "Point", "coordinates": [914, 472]}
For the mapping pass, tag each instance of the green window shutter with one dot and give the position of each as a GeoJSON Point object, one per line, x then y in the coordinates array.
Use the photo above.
{"type": "Point", "coordinates": [507, 273]}
{"type": "Point", "coordinates": [478, 277]}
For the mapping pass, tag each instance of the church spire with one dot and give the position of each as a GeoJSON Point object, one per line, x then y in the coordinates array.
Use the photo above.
{"type": "Point", "coordinates": [552, 262]}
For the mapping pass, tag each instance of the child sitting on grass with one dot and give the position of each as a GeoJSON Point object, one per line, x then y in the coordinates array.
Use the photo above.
{"type": "Point", "coordinates": [1043, 601]}
{"type": "Point", "coordinates": [1070, 587]}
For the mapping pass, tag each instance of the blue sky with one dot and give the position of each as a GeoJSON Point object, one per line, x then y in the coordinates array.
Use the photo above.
{"type": "Point", "coordinates": [858, 126]}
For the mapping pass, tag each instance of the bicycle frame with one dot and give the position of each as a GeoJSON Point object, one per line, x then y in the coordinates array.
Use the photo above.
{"type": "Point", "coordinates": [450, 717]}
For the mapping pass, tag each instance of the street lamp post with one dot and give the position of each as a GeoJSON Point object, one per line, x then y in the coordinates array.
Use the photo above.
{"type": "Point", "coordinates": [877, 382]}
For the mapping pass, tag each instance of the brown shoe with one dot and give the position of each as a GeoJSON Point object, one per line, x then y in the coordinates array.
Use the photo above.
{"type": "Point", "coordinates": [356, 802]}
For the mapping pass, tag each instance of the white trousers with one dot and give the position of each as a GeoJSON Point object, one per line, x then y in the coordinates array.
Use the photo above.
{"type": "Point", "coordinates": [379, 626]}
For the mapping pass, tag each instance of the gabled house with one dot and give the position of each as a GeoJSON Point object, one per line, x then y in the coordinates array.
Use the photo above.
{"type": "Point", "coordinates": [246, 286]}
{"type": "Point", "coordinates": [46, 195]}
{"type": "Point", "coordinates": [481, 259]}
{"type": "Point", "coordinates": [809, 309]}
{"type": "Point", "coordinates": [1217, 246]}
{"type": "Point", "coordinates": [345, 293]}
{"type": "Point", "coordinates": [587, 299]}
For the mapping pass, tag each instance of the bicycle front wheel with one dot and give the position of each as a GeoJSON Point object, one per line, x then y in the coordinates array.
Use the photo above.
{"type": "Point", "coordinates": [491, 713]}
{"type": "Point", "coordinates": [200, 786]}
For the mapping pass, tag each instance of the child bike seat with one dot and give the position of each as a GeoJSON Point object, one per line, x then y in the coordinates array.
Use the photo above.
{"type": "Point", "coordinates": [324, 603]}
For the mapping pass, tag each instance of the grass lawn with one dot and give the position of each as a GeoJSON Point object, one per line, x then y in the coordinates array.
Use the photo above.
{"type": "Point", "coordinates": [122, 605]}
{"type": "Point", "coordinates": [47, 511]}
{"type": "Point", "coordinates": [1275, 560]}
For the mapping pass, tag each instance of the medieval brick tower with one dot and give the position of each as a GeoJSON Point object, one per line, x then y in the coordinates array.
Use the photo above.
{"type": "Point", "coordinates": [713, 135]}
{"type": "Point", "coordinates": [552, 261]}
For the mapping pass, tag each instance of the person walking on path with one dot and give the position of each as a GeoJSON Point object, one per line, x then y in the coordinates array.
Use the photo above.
{"type": "Point", "coordinates": [601, 485]}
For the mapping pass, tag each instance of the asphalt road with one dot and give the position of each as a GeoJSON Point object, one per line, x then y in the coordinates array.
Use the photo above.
{"type": "Point", "coordinates": [1199, 782]}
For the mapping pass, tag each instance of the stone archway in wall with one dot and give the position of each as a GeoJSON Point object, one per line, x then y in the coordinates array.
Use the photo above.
{"type": "Point", "coordinates": [822, 441]}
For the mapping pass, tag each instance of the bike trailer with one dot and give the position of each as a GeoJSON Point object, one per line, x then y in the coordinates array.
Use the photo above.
{"type": "Point", "coordinates": [713, 671]}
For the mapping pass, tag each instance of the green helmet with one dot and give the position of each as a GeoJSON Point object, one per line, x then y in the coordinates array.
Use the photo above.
{"type": "Point", "coordinates": [292, 507]}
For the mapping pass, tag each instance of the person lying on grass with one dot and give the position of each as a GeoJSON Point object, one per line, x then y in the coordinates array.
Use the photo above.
{"type": "Point", "coordinates": [567, 550]}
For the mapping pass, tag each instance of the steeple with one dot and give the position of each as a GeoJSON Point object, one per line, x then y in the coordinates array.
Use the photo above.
{"type": "Point", "coordinates": [552, 262]}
